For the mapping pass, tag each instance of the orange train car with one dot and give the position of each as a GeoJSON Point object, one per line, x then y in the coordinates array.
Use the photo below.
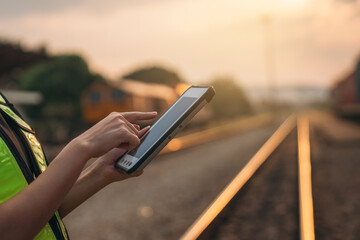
{"type": "Point", "coordinates": [100, 99]}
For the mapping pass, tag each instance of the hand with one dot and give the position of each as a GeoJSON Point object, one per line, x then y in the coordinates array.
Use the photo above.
{"type": "Point", "coordinates": [106, 171]}
{"type": "Point", "coordinates": [104, 166]}
{"type": "Point", "coordinates": [114, 131]}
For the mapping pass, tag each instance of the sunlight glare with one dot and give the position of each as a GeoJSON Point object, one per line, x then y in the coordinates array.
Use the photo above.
{"type": "Point", "coordinates": [296, 2]}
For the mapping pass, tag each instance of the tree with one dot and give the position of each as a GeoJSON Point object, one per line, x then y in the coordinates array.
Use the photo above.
{"type": "Point", "coordinates": [155, 74]}
{"type": "Point", "coordinates": [230, 99]}
{"type": "Point", "coordinates": [61, 81]}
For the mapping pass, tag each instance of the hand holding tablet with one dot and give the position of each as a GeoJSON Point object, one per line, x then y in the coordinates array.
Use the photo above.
{"type": "Point", "coordinates": [164, 129]}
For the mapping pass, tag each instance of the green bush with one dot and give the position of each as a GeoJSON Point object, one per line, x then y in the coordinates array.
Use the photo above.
{"type": "Point", "coordinates": [61, 81]}
{"type": "Point", "coordinates": [230, 99]}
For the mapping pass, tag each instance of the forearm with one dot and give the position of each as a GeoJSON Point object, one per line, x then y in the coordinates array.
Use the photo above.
{"type": "Point", "coordinates": [102, 172]}
{"type": "Point", "coordinates": [43, 197]}
{"type": "Point", "coordinates": [98, 175]}
{"type": "Point", "coordinates": [90, 182]}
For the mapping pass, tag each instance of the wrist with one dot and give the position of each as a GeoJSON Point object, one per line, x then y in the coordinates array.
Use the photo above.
{"type": "Point", "coordinates": [82, 149]}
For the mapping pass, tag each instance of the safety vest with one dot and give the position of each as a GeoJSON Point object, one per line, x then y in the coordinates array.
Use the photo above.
{"type": "Point", "coordinates": [22, 160]}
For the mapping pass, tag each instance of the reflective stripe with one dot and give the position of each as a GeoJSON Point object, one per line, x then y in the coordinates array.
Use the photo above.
{"type": "Point", "coordinates": [40, 158]}
{"type": "Point", "coordinates": [62, 225]}
{"type": "Point", "coordinates": [12, 181]}
{"type": "Point", "coordinates": [37, 150]}
{"type": "Point", "coordinates": [11, 113]}
{"type": "Point", "coordinates": [2, 100]}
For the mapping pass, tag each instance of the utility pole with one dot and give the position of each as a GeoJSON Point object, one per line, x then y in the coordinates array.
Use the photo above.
{"type": "Point", "coordinates": [269, 59]}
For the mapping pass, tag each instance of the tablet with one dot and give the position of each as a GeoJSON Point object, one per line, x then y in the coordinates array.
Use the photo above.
{"type": "Point", "coordinates": [165, 128]}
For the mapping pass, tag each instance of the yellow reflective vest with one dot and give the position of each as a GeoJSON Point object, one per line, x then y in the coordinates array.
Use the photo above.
{"type": "Point", "coordinates": [22, 160]}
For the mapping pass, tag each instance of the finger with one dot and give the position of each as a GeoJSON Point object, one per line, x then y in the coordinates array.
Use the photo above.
{"type": "Point", "coordinates": [114, 154]}
{"type": "Point", "coordinates": [143, 131]}
{"type": "Point", "coordinates": [119, 119]}
{"type": "Point", "coordinates": [137, 116]}
{"type": "Point", "coordinates": [136, 126]}
{"type": "Point", "coordinates": [124, 146]}
{"type": "Point", "coordinates": [129, 141]}
{"type": "Point", "coordinates": [129, 125]}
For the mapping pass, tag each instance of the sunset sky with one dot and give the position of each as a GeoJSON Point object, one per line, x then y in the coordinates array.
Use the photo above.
{"type": "Point", "coordinates": [314, 41]}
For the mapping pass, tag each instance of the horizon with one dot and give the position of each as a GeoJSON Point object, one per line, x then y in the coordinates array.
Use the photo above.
{"type": "Point", "coordinates": [313, 44]}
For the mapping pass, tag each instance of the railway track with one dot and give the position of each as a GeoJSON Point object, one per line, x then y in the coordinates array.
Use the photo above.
{"type": "Point", "coordinates": [272, 196]}
{"type": "Point", "coordinates": [176, 189]}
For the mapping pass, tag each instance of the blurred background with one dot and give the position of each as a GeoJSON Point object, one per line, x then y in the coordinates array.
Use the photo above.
{"type": "Point", "coordinates": [67, 64]}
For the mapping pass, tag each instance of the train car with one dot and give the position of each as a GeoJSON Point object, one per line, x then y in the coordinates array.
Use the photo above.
{"type": "Point", "coordinates": [100, 99]}
{"type": "Point", "coordinates": [346, 94]}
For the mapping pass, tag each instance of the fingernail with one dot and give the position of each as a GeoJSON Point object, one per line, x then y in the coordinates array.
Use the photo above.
{"type": "Point", "coordinates": [154, 112]}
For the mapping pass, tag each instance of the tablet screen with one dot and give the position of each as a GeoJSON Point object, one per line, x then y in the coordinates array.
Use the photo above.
{"type": "Point", "coordinates": [162, 125]}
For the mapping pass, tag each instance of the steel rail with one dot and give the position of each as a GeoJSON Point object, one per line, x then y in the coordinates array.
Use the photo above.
{"type": "Point", "coordinates": [214, 133]}
{"type": "Point", "coordinates": [307, 229]}
{"type": "Point", "coordinates": [239, 181]}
